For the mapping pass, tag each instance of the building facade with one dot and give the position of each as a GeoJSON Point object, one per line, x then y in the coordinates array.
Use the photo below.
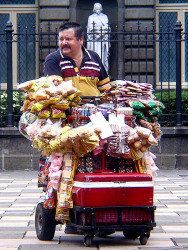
{"type": "Point", "coordinates": [141, 16]}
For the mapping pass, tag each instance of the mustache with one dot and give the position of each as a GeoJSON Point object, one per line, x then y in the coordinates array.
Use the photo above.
{"type": "Point", "coordinates": [65, 46]}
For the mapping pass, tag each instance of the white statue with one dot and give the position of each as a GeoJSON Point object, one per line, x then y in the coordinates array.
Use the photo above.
{"type": "Point", "coordinates": [98, 24]}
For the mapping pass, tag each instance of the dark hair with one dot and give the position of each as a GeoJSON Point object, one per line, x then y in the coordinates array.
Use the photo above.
{"type": "Point", "coordinates": [72, 25]}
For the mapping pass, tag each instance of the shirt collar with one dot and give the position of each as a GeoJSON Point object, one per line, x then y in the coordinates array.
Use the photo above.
{"type": "Point", "coordinates": [86, 53]}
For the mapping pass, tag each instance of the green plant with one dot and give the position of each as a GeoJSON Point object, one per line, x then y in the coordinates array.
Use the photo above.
{"type": "Point", "coordinates": [169, 100]}
{"type": "Point", "coordinates": [18, 98]}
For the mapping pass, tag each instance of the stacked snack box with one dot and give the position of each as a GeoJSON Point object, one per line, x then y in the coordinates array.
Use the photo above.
{"type": "Point", "coordinates": [114, 135]}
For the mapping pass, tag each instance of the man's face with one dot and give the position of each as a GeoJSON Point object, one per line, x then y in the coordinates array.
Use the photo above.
{"type": "Point", "coordinates": [68, 43]}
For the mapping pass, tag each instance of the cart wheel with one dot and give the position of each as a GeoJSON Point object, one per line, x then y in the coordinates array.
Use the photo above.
{"type": "Point", "coordinates": [88, 240]}
{"type": "Point", "coordinates": [45, 223]}
{"type": "Point", "coordinates": [143, 239]}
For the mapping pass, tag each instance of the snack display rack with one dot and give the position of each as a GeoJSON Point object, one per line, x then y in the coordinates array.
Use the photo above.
{"type": "Point", "coordinates": [97, 169]}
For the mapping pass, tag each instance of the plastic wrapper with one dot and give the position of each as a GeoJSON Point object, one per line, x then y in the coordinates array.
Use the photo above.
{"type": "Point", "coordinates": [65, 142]}
{"type": "Point", "coordinates": [33, 129]}
{"type": "Point", "coordinates": [58, 113]}
{"type": "Point", "coordinates": [90, 143]}
{"type": "Point", "coordinates": [26, 119]}
{"type": "Point", "coordinates": [53, 100]}
{"type": "Point", "coordinates": [160, 104]}
{"type": "Point", "coordinates": [151, 104]}
{"type": "Point", "coordinates": [52, 90]}
{"type": "Point", "coordinates": [25, 85]}
{"type": "Point", "coordinates": [145, 124]}
{"type": "Point", "coordinates": [113, 145]}
{"type": "Point", "coordinates": [62, 104]}
{"type": "Point", "coordinates": [55, 143]}
{"type": "Point", "coordinates": [153, 112]}
{"type": "Point", "coordinates": [140, 140]}
{"type": "Point", "coordinates": [157, 133]}
{"type": "Point", "coordinates": [78, 147]}
{"type": "Point", "coordinates": [44, 114]}
{"type": "Point", "coordinates": [41, 95]}
{"type": "Point", "coordinates": [36, 107]}
{"type": "Point", "coordinates": [27, 105]}
{"type": "Point", "coordinates": [50, 201]}
{"type": "Point", "coordinates": [139, 114]}
{"type": "Point", "coordinates": [148, 164]}
{"type": "Point", "coordinates": [44, 165]}
{"type": "Point", "coordinates": [50, 129]}
{"type": "Point", "coordinates": [65, 188]}
{"type": "Point", "coordinates": [137, 105]}
{"type": "Point", "coordinates": [55, 172]}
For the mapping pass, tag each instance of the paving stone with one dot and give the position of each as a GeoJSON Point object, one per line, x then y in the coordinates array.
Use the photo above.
{"type": "Point", "coordinates": [11, 235]}
{"type": "Point", "coordinates": [175, 188]}
{"type": "Point", "coordinates": [17, 218]}
{"type": "Point", "coordinates": [44, 247]}
{"type": "Point", "coordinates": [181, 240]}
{"type": "Point", "coordinates": [174, 201]}
{"type": "Point", "coordinates": [5, 181]}
{"type": "Point", "coordinates": [180, 228]}
{"type": "Point", "coordinates": [31, 191]}
{"type": "Point", "coordinates": [19, 195]}
{"type": "Point", "coordinates": [12, 229]}
{"type": "Point", "coordinates": [17, 186]}
{"type": "Point", "coordinates": [5, 194]}
{"type": "Point", "coordinates": [25, 201]}
{"type": "Point", "coordinates": [9, 213]}
{"type": "Point", "coordinates": [5, 204]}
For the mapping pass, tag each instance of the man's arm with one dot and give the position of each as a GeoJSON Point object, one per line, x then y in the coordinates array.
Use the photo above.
{"type": "Point", "coordinates": [51, 67]}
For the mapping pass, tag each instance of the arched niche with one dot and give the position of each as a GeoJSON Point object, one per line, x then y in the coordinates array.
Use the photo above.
{"type": "Point", "coordinates": [81, 9]}
{"type": "Point", "coordinates": [114, 9]}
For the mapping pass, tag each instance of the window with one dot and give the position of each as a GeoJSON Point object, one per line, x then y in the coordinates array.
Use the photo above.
{"type": "Point", "coordinates": [167, 64]}
{"type": "Point", "coordinates": [3, 2]}
{"type": "Point", "coordinates": [26, 47]}
{"type": "Point", "coordinates": [172, 1]}
{"type": "Point", "coordinates": [24, 20]}
{"type": "Point", "coordinates": [3, 73]}
{"type": "Point", "coordinates": [166, 18]}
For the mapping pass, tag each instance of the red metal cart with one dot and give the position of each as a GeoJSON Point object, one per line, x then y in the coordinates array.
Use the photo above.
{"type": "Point", "coordinates": [105, 202]}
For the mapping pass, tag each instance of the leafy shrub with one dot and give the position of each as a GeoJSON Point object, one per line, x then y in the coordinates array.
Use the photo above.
{"type": "Point", "coordinates": [18, 98]}
{"type": "Point", "coordinates": [169, 100]}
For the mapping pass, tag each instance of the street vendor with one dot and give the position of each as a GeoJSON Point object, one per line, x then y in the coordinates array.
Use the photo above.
{"type": "Point", "coordinates": [72, 61]}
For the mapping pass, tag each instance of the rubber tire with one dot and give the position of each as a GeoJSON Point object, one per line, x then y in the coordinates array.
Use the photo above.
{"type": "Point", "coordinates": [143, 239]}
{"type": "Point", "coordinates": [131, 235]}
{"type": "Point", "coordinates": [87, 240]}
{"type": "Point", "coordinates": [45, 223]}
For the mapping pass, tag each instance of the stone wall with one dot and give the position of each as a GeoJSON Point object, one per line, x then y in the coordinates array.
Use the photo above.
{"type": "Point", "coordinates": [139, 16]}
{"type": "Point", "coordinates": [17, 153]}
{"type": "Point", "coordinates": [55, 12]}
{"type": "Point", "coordinates": [129, 12]}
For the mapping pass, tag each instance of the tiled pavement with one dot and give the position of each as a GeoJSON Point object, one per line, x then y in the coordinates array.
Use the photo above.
{"type": "Point", "coordinates": [19, 195]}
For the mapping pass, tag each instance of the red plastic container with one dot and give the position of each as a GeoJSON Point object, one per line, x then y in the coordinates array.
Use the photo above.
{"type": "Point", "coordinates": [112, 190]}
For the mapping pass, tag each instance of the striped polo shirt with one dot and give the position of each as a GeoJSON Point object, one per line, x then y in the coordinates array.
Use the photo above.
{"type": "Point", "coordinates": [90, 79]}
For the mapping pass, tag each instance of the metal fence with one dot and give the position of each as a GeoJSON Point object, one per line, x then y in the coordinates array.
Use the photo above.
{"type": "Point", "coordinates": [141, 55]}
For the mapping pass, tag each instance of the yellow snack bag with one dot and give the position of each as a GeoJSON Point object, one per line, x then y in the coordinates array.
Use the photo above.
{"type": "Point", "coordinates": [44, 114]}
{"type": "Point", "coordinates": [58, 113]}
{"type": "Point", "coordinates": [36, 107]}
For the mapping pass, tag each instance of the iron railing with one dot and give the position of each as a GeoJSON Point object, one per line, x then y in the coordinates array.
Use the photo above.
{"type": "Point", "coordinates": [142, 55]}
